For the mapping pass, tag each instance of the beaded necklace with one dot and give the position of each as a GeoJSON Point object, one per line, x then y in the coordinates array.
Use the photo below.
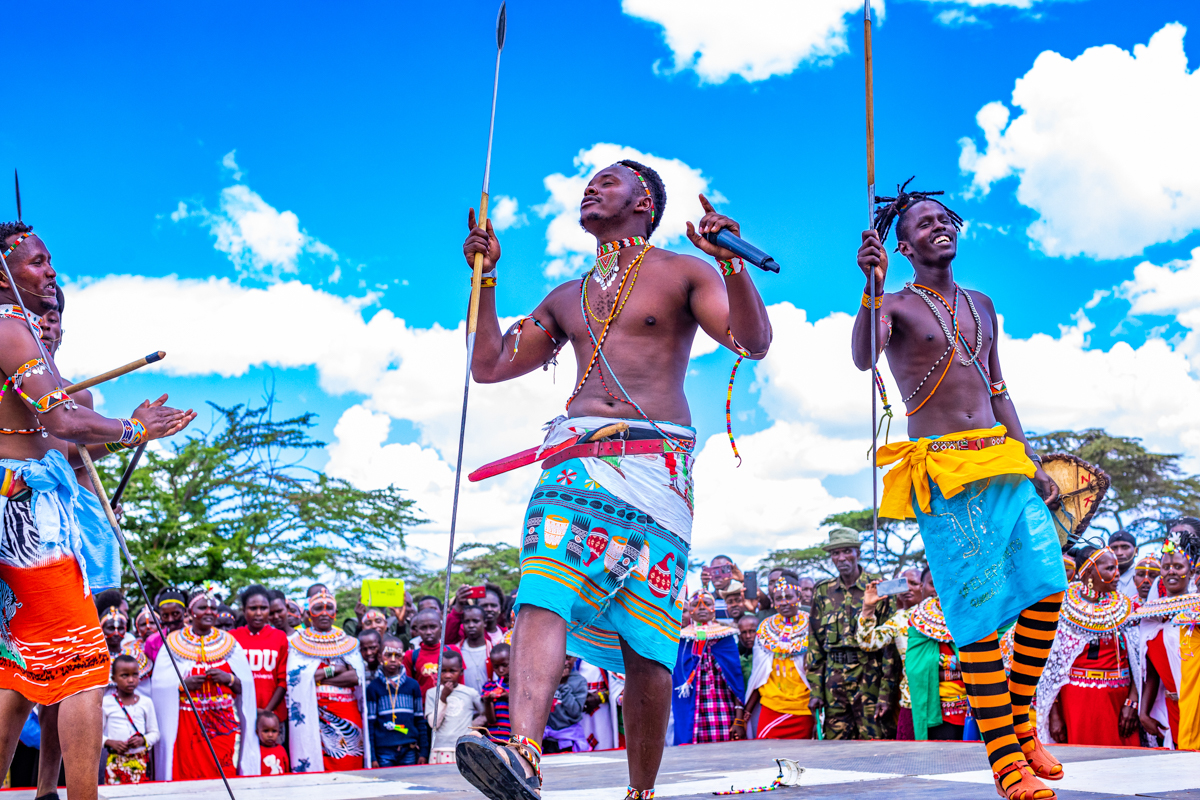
{"type": "Point", "coordinates": [950, 340]}
{"type": "Point", "coordinates": [1168, 607]}
{"type": "Point", "coordinates": [213, 646]}
{"type": "Point", "coordinates": [332, 644]}
{"type": "Point", "coordinates": [972, 357]}
{"type": "Point", "coordinates": [1105, 615]}
{"type": "Point", "coordinates": [783, 638]}
{"type": "Point", "coordinates": [597, 345]}
{"type": "Point", "coordinates": [607, 265]}
{"type": "Point", "coordinates": [928, 618]}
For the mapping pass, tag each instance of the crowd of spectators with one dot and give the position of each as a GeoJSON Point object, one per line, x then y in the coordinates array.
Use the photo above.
{"type": "Point", "coordinates": [790, 657]}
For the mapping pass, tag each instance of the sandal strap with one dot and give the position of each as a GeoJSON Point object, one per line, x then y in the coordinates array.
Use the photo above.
{"type": "Point", "coordinates": [1013, 767]}
{"type": "Point", "coordinates": [639, 794]}
{"type": "Point", "coordinates": [529, 750]}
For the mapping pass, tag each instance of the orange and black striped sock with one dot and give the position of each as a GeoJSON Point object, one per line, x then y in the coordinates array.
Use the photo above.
{"type": "Point", "coordinates": [987, 689]}
{"type": "Point", "coordinates": [1032, 639]}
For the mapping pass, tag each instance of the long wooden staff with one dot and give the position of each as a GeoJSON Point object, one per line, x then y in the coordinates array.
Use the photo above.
{"type": "Point", "coordinates": [472, 325]}
{"type": "Point", "coordinates": [116, 373]}
{"type": "Point", "coordinates": [874, 321]}
{"type": "Point", "coordinates": [116, 527]}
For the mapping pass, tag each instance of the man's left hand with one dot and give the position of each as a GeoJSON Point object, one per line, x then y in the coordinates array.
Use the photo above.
{"type": "Point", "coordinates": [712, 222]}
{"type": "Point", "coordinates": [882, 708]}
{"type": "Point", "coordinates": [1047, 488]}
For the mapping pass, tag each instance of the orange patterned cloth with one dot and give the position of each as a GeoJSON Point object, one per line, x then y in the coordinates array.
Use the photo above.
{"type": "Point", "coordinates": [51, 646]}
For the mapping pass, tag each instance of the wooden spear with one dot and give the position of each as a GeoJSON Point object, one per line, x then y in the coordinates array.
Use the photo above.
{"type": "Point", "coordinates": [870, 79]}
{"type": "Point", "coordinates": [116, 373]}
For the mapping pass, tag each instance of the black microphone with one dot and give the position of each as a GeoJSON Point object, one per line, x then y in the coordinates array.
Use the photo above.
{"type": "Point", "coordinates": [745, 250]}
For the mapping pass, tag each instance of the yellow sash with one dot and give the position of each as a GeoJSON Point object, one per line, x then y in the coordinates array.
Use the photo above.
{"type": "Point", "coordinates": [950, 469]}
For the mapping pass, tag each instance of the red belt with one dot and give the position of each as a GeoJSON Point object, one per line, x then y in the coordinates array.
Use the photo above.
{"type": "Point", "coordinates": [967, 444]}
{"type": "Point", "coordinates": [618, 447]}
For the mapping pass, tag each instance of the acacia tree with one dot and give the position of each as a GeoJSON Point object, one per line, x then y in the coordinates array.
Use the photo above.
{"type": "Point", "coordinates": [233, 505]}
{"type": "Point", "coordinates": [1147, 488]}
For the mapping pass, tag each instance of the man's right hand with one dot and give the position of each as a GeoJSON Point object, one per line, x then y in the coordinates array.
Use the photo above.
{"type": "Point", "coordinates": [481, 241]}
{"type": "Point", "coordinates": [870, 597]}
{"type": "Point", "coordinates": [873, 255]}
{"type": "Point", "coordinates": [815, 703]}
{"type": "Point", "coordinates": [161, 421]}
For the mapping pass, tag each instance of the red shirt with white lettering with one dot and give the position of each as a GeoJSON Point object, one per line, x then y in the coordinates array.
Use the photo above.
{"type": "Point", "coordinates": [267, 653]}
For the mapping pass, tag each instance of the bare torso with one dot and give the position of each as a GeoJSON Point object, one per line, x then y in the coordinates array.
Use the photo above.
{"type": "Point", "coordinates": [15, 414]}
{"type": "Point", "coordinates": [962, 399]}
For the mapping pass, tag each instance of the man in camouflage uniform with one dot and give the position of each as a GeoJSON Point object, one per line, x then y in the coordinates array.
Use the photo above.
{"type": "Point", "coordinates": [853, 686]}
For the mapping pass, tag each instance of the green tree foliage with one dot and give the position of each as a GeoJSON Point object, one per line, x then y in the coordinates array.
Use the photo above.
{"type": "Point", "coordinates": [899, 547]}
{"type": "Point", "coordinates": [233, 506]}
{"type": "Point", "coordinates": [1147, 488]}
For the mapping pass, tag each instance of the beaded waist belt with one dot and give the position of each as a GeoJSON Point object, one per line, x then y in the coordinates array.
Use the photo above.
{"type": "Point", "coordinates": [966, 444]}
{"type": "Point", "coordinates": [1100, 676]}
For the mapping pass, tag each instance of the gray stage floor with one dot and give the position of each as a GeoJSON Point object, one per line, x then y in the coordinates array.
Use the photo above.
{"type": "Point", "coordinates": [859, 770]}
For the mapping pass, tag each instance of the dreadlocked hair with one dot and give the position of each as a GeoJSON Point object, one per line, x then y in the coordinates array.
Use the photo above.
{"type": "Point", "coordinates": [658, 191]}
{"type": "Point", "coordinates": [8, 229]}
{"type": "Point", "coordinates": [891, 210]}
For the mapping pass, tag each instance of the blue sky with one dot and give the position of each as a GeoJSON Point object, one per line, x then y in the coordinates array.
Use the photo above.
{"type": "Point", "coordinates": [278, 193]}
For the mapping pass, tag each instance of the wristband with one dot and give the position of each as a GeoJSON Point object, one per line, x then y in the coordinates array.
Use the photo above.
{"type": "Point", "coordinates": [730, 266]}
{"type": "Point", "coordinates": [487, 283]}
{"type": "Point", "coordinates": [133, 433]}
{"type": "Point", "coordinates": [329, 673]}
{"type": "Point", "coordinates": [866, 301]}
{"type": "Point", "coordinates": [1131, 703]}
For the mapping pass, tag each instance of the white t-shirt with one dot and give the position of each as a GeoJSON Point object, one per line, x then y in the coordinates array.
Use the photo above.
{"type": "Point", "coordinates": [456, 714]}
{"type": "Point", "coordinates": [117, 724]}
{"type": "Point", "coordinates": [475, 665]}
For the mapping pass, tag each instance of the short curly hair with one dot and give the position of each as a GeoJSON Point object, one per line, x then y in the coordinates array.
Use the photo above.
{"type": "Point", "coordinates": [657, 191]}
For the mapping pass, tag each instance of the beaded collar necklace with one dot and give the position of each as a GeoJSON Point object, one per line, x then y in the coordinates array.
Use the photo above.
{"type": "Point", "coordinates": [607, 254]}
{"type": "Point", "coordinates": [1168, 607]}
{"type": "Point", "coordinates": [783, 638]}
{"type": "Point", "coordinates": [331, 644]}
{"type": "Point", "coordinates": [215, 646]}
{"type": "Point", "coordinates": [707, 631]}
{"type": "Point", "coordinates": [928, 618]}
{"type": "Point", "coordinates": [1105, 615]}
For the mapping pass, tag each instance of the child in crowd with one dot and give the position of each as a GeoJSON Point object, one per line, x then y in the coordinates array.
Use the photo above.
{"type": "Point", "coordinates": [495, 694]}
{"type": "Point", "coordinates": [369, 642]}
{"type": "Point", "coordinates": [563, 729]}
{"type": "Point", "coordinates": [422, 663]}
{"type": "Point", "coordinates": [452, 709]}
{"type": "Point", "coordinates": [130, 726]}
{"type": "Point", "coordinates": [395, 714]}
{"type": "Point", "coordinates": [474, 648]}
{"type": "Point", "coordinates": [274, 756]}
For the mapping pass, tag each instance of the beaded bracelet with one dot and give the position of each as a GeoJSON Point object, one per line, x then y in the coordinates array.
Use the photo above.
{"type": "Point", "coordinates": [866, 301]}
{"type": "Point", "coordinates": [133, 433]}
{"type": "Point", "coordinates": [487, 283]}
{"type": "Point", "coordinates": [730, 266]}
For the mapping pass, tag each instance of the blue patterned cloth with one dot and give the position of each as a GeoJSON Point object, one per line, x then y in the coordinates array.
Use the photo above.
{"type": "Point", "coordinates": [100, 553]}
{"type": "Point", "coordinates": [993, 551]}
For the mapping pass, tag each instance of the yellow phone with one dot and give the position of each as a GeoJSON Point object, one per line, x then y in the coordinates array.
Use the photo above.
{"type": "Point", "coordinates": [384, 592]}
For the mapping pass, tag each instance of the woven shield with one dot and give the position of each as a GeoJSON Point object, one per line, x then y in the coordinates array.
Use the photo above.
{"type": "Point", "coordinates": [1081, 487]}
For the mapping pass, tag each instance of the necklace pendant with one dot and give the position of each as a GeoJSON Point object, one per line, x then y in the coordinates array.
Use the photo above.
{"type": "Point", "coordinates": [606, 269]}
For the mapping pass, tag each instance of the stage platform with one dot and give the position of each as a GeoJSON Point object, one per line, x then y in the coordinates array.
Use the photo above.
{"type": "Point", "coordinates": [859, 770]}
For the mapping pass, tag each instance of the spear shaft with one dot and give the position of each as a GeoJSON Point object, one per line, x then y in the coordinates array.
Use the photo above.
{"type": "Point", "coordinates": [870, 96]}
{"type": "Point", "coordinates": [472, 326]}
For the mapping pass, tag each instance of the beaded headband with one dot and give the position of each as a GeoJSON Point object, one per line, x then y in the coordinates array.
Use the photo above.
{"type": "Point", "coordinates": [645, 186]}
{"type": "Point", "coordinates": [1094, 557]}
{"type": "Point", "coordinates": [372, 614]}
{"type": "Point", "coordinates": [112, 612]}
{"type": "Point", "coordinates": [205, 594]}
{"type": "Point", "coordinates": [321, 595]}
{"type": "Point", "coordinates": [785, 583]}
{"type": "Point", "coordinates": [702, 594]}
{"type": "Point", "coordinates": [145, 612]}
{"type": "Point", "coordinates": [23, 236]}
{"type": "Point", "coordinates": [1149, 563]}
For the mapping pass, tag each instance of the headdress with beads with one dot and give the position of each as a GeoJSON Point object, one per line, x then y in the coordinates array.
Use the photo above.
{"type": "Point", "coordinates": [320, 594]}
{"type": "Point", "coordinates": [1148, 563]}
{"type": "Point", "coordinates": [113, 613]}
{"type": "Point", "coordinates": [1094, 557]}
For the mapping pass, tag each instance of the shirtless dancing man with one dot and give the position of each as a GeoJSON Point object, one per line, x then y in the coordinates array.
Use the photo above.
{"type": "Point", "coordinates": [607, 530]}
{"type": "Point", "coordinates": [969, 478]}
{"type": "Point", "coordinates": [51, 648]}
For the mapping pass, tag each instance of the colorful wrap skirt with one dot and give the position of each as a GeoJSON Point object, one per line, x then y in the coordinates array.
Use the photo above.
{"type": "Point", "coordinates": [610, 568]}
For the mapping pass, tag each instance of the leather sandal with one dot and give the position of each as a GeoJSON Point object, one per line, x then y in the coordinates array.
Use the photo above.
{"type": "Point", "coordinates": [1044, 765]}
{"type": "Point", "coordinates": [1029, 787]}
{"type": "Point", "coordinates": [498, 769]}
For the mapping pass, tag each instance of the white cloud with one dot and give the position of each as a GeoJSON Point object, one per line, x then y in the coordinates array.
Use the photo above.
{"type": "Point", "coordinates": [985, 3]}
{"type": "Point", "coordinates": [756, 40]}
{"type": "Point", "coordinates": [260, 240]}
{"type": "Point", "coordinates": [229, 162]}
{"type": "Point", "coordinates": [1170, 289]}
{"type": "Point", "coordinates": [572, 247]}
{"type": "Point", "coordinates": [1104, 149]}
{"type": "Point", "coordinates": [954, 17]}
{"type": "Point", "coordinates": [504, 214]}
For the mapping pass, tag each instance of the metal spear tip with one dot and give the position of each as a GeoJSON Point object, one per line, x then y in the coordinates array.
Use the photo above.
{"type": "Point", "coordinates": [501, 24]}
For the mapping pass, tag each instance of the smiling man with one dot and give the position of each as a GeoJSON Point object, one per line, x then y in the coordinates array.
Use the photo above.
{"type": "Point", "coordinates": [608, 529]}
{"type": "Point", "coordinates": [968, 477]}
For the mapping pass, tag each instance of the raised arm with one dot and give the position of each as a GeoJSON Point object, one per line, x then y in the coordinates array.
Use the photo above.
{"type": "Point", "coordinates": [526, 345]}
{"type": "Point", "coordinates": [1006, 412]}
{"type": "Point", "coordinates": [728, 306]}
{"type": "Point", "coordinates": [872, 255]}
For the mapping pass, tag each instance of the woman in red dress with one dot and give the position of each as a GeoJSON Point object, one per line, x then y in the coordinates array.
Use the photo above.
{"type": "Point", "coordinates": [1090, 685]}
{"type": "Point", "coordinates": [1166, 666]}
